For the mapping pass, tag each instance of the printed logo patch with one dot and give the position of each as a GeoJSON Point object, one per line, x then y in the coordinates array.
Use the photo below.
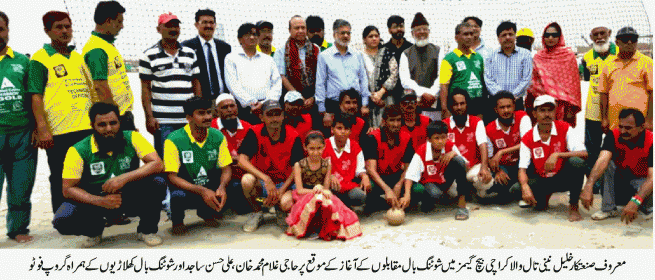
{"type": "Point", "coordinates": [6, 83]}
{"type": "Point", "coordinates": [500, 143]}
{"type": "Point", "coordinates": [97, 168]}
{"type": "Point", "coordinates": [432, 170]}
{"type": "Point", "coordinates": [461, 66]}
{"type": "Point", "coordinates": [212, 155]}
{"type": "Point", "coordinates": [117, 62]}
{"type": "Point", "coordinates": [538, 152]}
{"type": "Point", "coordinates": [451, 137]}
{"type": "Point", "coordinates": [60, 71]}
{"type": "Point", "coordinates": [594, 70]}
{"type": "Point", "coordinates": [18, 68]}
{"type": "Point", "coordinates": [124, 163]}
{"type": "Point", "coordinates": [477, 64]}
{"type": "Point", "coordinates": [187, 156]}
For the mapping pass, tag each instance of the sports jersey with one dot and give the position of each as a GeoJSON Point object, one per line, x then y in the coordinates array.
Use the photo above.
{"type": "Point", "coordinates": [501, 140]}
{"type": "Point", "coordinates": [345, 165]}
{"type": "Point", "coordinates": [233, 140]}
{"type": "Point", "coordinates": [13, 74]}
{"type": "Point", "coordinates": [419, 132]}
{"type": "Point", "coordinates": [463, 71]}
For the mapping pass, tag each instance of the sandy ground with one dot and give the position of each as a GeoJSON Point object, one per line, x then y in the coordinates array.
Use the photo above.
{"type": "Point", "coordinates": [490, 226]}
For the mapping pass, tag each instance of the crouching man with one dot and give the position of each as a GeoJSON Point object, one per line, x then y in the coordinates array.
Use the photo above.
{"type": "Point", "coordinates": [102, 177]}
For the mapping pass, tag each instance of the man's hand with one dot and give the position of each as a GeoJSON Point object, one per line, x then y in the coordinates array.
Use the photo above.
{"type": "Point", "coordinates": [445, 113]}
{"type": "Point", "coordinates": [527, 195]}
{"type": "Point", "coordinates": [113, 185]}
{"type": "Point", "coordinates": [502, 177]}
{"type": "Point", "coordinates": [404, 201]}
{"type": "Point", "coordinates": [391, 197]}
{"type": "Point", "coordinates": [256, 108]}
{"type": "Point", "coordinates": [152, 125]}
{"type": "Point", "coordinates": [221, 195]}
{"type": "Point", "coordinates": [587, 196]}
{"type": "Point", "coordinates": [446, 158]}
{"type": "Point", "coordinates": [485, 175]}
{"type": "Point", "coordinates": [494, 162]}
{"type": "Point", "coordinates": [111, 201]}
{"type": "Point", "coordinates": [309, 103]}
{"type": "Point", "coordinates": [605, 125]}
{"type": "Point", "coordinates": [273, 194]}
{"type": "Point", "coordinates": [327, 119]}
{"type": "Point", "coordinates": [629, 213]}
{"type": "Point", "coordinates": [365, 111]}
{"type": "Point", "coordinates": [427, 100]}
{"type": "Point", "coordinates": [44, 139]}
{"type": "Point", "coordinates": [365, 184]}
{"type": "Point", "coordinates": [551, 162]}
{"type": "Point", "coordinates": [209, 197]}
{"type": "Point", "coordinates": [334, 184]}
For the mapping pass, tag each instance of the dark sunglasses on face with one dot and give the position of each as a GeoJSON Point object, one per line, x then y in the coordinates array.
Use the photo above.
{"type": "Point", "coordinates": [628, 38]}
{"type": "Point", "coordinates": [553, 34]}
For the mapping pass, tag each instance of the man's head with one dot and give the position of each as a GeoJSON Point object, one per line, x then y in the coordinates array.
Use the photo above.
{"type": "Point", "coordinates": [4, 30]}
{"type": "Point", "coordinates": [168, 25]}
{"type": "Point", "coordinates": [293, 104]}
{"type": "Point", "coordinates": [476, 24]}
{"type": "Point", "coordinates": [58, 27]}
{"type": "Point", "coordinates": [396, 25]}
{"type": "Point", "coordinates": [248, 35]}
{"type": "Point", "coordinates": [265, 30]}
{"type": "Point", "coordinates": [206, 23]}
{"type": "Point", "coordinates": [315, 29]}
{"type": "Point", "coordinates": [464, 35]}
{"type": "Point", "coordinates": [342, 126]}
{"type": "Point", "coordinates": [198, 112]}
{"type": "Point", "coordinates": [458, 101]}
{"type": "Point", "coordinates": [109, 15]}
{"type": "Point", "coordinates": [600, 35]}
{"type": "Point", "coordinates": [272, 115]}
{"type": "Point", "coordinates": [525, 38]}
{"type": "Point", "coordinates": [104, 121]}
{"type": "Point", "coordinates": [420, 30]}
{"type": "Point", "coordinates": [298, 28]}
{"type": "Point", "coordinates": [504, 106]}
{"type": "Point", "coordinates": [227, 107]}
{"type": "Point", "coordinates": [341, 32]}
{"type": "Point", "coordinates": [392, 118]}
{"type": "Point", "coordinates": [349, 101]}
{"type": "Point", "coordinates": [631, 124]}
{"type": "Point", "coordinates": [408, 101]}
{"type": "Point", "coordinates": [626, 40]}
{"type": "Point", "coordinates": [544, 109]}
{"type": "Point", "coordinates": [506, 33]}
{"type": "Point", "coordinates": [437, 135]}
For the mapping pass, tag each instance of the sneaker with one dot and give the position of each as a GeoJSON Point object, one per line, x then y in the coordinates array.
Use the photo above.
{"type": "Point", "coordinates": [151, 239]}
{"type": "Point", "coordinates": [524, 204]}
{"type": "Point", "coordinates": [91, 241]}
{"type": "Point", "coordinates": [601, 215]}
{"type": "Point", "coordinates": [253, 221]}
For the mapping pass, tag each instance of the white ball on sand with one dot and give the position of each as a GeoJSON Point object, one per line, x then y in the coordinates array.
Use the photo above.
{"type": "Point", "coordinates": [480, 187]}
{"type": "Point", "coordinates": [395, 216]}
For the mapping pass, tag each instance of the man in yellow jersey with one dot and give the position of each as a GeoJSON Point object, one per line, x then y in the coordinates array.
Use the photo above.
{"type": "Point", "coordinates": [61, 88]}
{"type": "Point", "coordinates": [17, 156]}
{"type": "Point", "coordinates": [106, 63]}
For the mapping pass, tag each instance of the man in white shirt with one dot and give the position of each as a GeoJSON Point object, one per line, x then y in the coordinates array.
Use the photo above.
{"type": "Point", "coordinates": [251, 76]}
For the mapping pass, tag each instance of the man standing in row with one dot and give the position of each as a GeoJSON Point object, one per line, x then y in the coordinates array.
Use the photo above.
{"type": "Point", "coordinates": [397, 45]}
{"type": "Point", "coordinates": [106, 63]}
{"type": "Point", "coordinates": [478, 43]}
{"type": "Point", "coordinates": [18, 160]}
{"type": "Point", "coordinates": [316, 32]}
{"type": "Point", "coordinates": [265, 30]}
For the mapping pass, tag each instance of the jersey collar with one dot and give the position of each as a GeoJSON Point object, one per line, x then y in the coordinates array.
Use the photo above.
{"type": "Point", "coordinates": [459, 53]}
{"type": "Point", "coordinates": [51, 51]}
{"type": "Point", "coordinates": [187, 128]}
{"type": "Point", "coordinates": [536, 137]}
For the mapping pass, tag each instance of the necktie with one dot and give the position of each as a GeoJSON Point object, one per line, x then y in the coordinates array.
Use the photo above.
{"type": "Point", "coordinates": [213, 74]}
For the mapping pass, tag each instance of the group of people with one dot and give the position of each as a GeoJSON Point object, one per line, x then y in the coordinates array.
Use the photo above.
{"type": "Point", "coordinates": [318, 132]}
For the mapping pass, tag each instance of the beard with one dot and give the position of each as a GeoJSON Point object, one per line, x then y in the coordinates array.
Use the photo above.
{"type": "Point", "coordinates": [316, 40]}
{"type": "Point", "coordinates": [398, 35]}
{"type": "Point", "coordinates": [341, 43]}
{"type": "Point", "coordinates": [421, 43]}
{"type": "Point", "coordinates": [460, 120]}
{"type": "Point", "coordinates": [109, 144]}
{"type": "Point", "coordinates": [230, 124]}
{"type": "Point", "coordinates": [507, 122]}
{"type": "Point", "coordinates": [601, 48]}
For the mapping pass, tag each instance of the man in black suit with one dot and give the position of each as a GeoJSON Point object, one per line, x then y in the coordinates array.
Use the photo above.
{"type": "Point", "coordinates": [211, 54]}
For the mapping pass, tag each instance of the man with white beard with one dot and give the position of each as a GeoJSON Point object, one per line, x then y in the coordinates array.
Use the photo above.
{"type": "Point", "coordinates": [419, 68]}
{"type": "Point", "coordinates": [603, 50]}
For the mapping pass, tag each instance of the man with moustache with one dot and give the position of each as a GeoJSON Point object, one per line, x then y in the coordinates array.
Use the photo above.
{"type": "Point", "coordinates": [251, 76]}
{"type": "Point", "coordinates": [316, 32]}
{"type": "Point", "coordinates": [398, 44]}
{"type": "Point", "coordinates": [210, 54]}
{"type": "Point", "coordinates": [478, 43]}
{"type": "Point", "coordinates": [265, 30]}
{"type": "Point", "coordinates": [339, 69]}
{"type": "Point", "coordinates": [107, 66]}
{"type": "Point", "coordinates": [603, 50]}
{"type": "Point", "coordinates": [18, 161]}
{"type": "Point", "coordinates": [463, 68]}
{"type": "Point", "coordinates": [419, 68]}
{"type": "Point", "coordinates": [293, 115]}
{"type": "Point", "coordinates": [525, 39]}
{"type": "Point", "coordinates": [197, 160]}
{"type": "Point", "coordinates": [102, 178]}
{"type": "Point", "coordinates": [62, 91]}
{"type": "Point", "coordinates": [414, 123]}
{"type": "Point", "coordinates": [509, 68]}
{"type": "Point", "coordinates": [626, 162]}
{"type": "Point", "coordinates": [297, 61]}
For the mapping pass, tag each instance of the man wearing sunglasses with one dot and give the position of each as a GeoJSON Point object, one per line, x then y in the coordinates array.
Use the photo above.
{"type": "Point", "coordinates": [626, 81]}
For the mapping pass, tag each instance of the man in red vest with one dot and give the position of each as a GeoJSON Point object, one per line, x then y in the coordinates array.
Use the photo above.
{"type": "Point", "coordinates": [234, 130]}
{"type": "Point", "coordinates": [434, 168]}
{"type": "Point", "coordinates": [293, 116]}
{"type": "Point", "coordinates": [413, 123]}
{"type": "Point", "coordinates": [628, 152]}
{"type": "Point", "coordinates": [388, 152]}
{"type": "Point", "coordinates": [349, 102]}
{"type": "Point", "coordinates": [267, 154]}
{"type": "Point", "coordinates": [349, 180]}
{"type": "Point", "coordinates": [555, 157]}
{"type": "Point", "coordinates": [505, 135]}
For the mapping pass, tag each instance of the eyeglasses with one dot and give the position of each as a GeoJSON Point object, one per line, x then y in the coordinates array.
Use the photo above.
{"type": "Point", "coordinates": [553, 34]}
{"type": "Point", "coordinates": [628, 38]}
{"type": "Point", "coordinates": [407, 102]}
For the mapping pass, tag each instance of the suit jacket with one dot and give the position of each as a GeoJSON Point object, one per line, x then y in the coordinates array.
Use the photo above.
{"type": "Point", "coordinates": [222, 49]}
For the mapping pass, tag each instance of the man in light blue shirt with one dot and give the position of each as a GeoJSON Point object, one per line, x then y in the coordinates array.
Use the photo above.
{"type": "Point", "coordinates": [339, 69]}
{"type": "Point", "coordinates": [478, 44]}
{"type": "Point", "coordinates": [508, 68]}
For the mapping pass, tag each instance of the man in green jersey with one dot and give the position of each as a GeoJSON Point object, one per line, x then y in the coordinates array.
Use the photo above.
{"type": "Point", "coordinates": [17, 156]}
{"type": "Point", "coordinates": [197, 161]}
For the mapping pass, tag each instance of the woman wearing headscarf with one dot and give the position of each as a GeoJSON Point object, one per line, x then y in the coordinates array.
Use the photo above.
{"type": "Point", "coordinates": [382, 70]}
{"type": "Point", "coordinates": [555, 73]}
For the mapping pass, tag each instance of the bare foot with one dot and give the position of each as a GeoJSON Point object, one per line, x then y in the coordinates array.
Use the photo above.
{"type": "Point", "coordinates": [574, 214]}
{"type": "Point", "coordinates": [23, 238]}
{"type": "Point", "coordinates": [179, 229]}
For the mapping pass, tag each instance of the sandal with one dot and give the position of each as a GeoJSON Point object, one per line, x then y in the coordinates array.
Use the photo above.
{"type": "Point", "coordinates": [462, 214]}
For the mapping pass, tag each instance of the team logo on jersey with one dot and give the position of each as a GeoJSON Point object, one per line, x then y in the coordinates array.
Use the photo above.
{"type": "Point", "coordinates": [18, 68]}
{"type": "Point", "coordinates": [124, 163]}
{"type": "Point", "coordinates": [345, 165]}
{"type": "Point", "coordinates": [187, 156]}
{"type": "Point", "coordinates": [202, 178]}
{"type": "Point", "coordinates": [451, 137]}
{"type": "Point", "coordinates": [477, 64]}
{"type": "Point", "coordinates": [17, 106]}
{"type": "Point", "coordinates": [461, 66]}
{"type": "Point", "coordinates": [593, 70]}
{"type": "Point", "coordinates": [500, 143]}
{"type": "Point", "coordinates": [212, 155]}
{"type": "Point", "coordinates": [60, 70]}
{"type": "Point", "coordinates": [117, 62]}
{"type": "Point", "coordinates": [97, 168]}
{"type": "Point", "coordinates": [432, 170]}
{"type": "Point", "coordinates": [538, 152]}
{"type": "Point", "coordinates": [6, 83]}
{"type": "Point", "coordinates": [470, 137]}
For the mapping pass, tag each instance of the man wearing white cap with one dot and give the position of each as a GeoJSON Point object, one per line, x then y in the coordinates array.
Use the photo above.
{"type": "Point", "coordinates": [293, 105]}
{"type": "Point", "coordinates": [603, 49]}
{"type": "Point", "coordinates": [554, 156]}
